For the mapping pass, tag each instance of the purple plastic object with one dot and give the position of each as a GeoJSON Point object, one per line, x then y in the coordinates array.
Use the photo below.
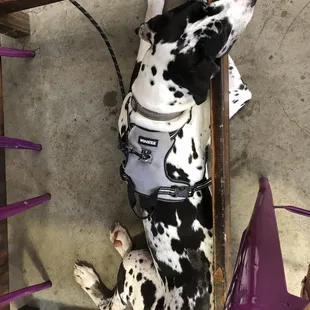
{"type": "Point", "coordinates": [13, 143]}
{"type": "Point", "coordinates": [10, 297]}
{"type": "Point", "coordinates": [259, 281]}
{"type": "Point", "coordinates": [21, 206]}
{"type": "Point", "coordinates": [13, 52]}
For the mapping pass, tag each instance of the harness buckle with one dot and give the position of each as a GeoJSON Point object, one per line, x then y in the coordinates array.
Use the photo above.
{"type": "Point", "coordinates": [181, 191]}
{"type": "Point", "coordinates": [146, 156]}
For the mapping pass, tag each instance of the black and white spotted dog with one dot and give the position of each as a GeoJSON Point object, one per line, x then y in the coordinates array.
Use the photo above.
{"type": "Point", "coordinates": [176, 60]}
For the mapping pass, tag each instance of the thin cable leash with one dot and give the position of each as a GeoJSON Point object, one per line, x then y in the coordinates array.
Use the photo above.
{"type": "Point", "coordinates": [107, 42]}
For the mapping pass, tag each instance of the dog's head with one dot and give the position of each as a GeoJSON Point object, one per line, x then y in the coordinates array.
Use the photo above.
{"type": "Point", "coordinates": [185, 43]}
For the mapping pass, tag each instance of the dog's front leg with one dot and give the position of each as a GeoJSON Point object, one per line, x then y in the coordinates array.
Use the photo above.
{"type": "Point", "coordinates": [154, 7]}
{"type": "Point", "coordinates": [90, 283]}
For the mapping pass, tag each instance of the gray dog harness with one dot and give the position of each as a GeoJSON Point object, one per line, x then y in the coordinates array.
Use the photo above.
{"type": "Point", "coordinates": [144, 168]}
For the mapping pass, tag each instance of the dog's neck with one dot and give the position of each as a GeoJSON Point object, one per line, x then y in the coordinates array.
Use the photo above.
{"type": "Point", "coordinates": [154, 89]}
{"type": "Point", "coordinates": [166, 122]}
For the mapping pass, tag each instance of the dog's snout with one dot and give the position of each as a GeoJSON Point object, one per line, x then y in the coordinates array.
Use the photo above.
{"type": "Point", "coordinates": [253, 2]}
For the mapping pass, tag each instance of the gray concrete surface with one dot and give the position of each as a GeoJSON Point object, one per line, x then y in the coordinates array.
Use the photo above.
{"type": "Point", "coordinates": [67, 98]}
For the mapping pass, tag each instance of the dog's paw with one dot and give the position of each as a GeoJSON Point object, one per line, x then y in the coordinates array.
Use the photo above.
{"type": "Point", "coordinates": [85, 276]}
{"type": "Point", "coordinates": [120, 239]}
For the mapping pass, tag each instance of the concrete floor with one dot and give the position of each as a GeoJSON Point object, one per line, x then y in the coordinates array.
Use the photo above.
{"type": "Point", "coordinates": [68, 99]}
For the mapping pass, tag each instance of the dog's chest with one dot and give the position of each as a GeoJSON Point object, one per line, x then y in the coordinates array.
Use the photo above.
{"type": "Point", "coordinates": [187, 159]}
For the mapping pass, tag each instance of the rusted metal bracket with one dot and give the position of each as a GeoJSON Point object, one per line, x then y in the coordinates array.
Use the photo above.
{"type": "Point", "coordinates": [219, 92]}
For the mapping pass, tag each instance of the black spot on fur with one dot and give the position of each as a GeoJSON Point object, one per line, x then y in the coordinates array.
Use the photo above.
{"type": "Point", "coordinates": [204, 210]}
{"type": "Point", "coordinates": [153, 228]}
{"type": "Point", "coordinates": [152, 83]}
{"type": "Point", "coordinates": [143, 67]}
{"type": "Point", "coordinates": [166, 75]}
{"type": "Point", "coordinates": [154, 70]}
{"type": "Point", "coordinates": [130, 290]}
{"type": "Point", "coordinates": [172, 89]}
{"type": "Point", "coordinates": [160, 304]}
{"type": "Point", "coordinates": [148, 291]}
{"type": "Point", "coordinates": [123, 129]}
{"type": "Point", "coordinates": [195, 155]}
{"type": "Point", "coordinates": [241, 86]}
{"type": "Point", "coordinates": [87, 288]}
{"type": "Point", "coordinates": [235, 100]}
{"type": "Point", "coordinates": [177, 246]}
{"type": "Point", "coordinates": [121, 276]}
{"type": "Point", "coordinates": [178, 94]}
{"type": "Point", "coordinates": [139, 276]}
{"type": "Point", "coordinates": [180, 133]}
{"type": "Point", "coordinates": [140, 261]}
{"type": "Point", "coordinates": [198, 32]}
{"type": "Point", "coordinates": [190, 159]}
{"type": "Point", "coordinates": [210, 289]}
{"type": "Point", "coordinates": [174, 149]}
{"type": "Point", "coordinates": [131, 271]}
{"type": "Point", "coordinates": [199, 167]}
{"type": "Point", "coordinates": [160, 229]}
{"type": "Point", "coordinates": [180, 173]}
{"type": "Point", "coordinates": [207, 152]}
{"type": "Point", "coordinates": [199, 194]}
{"type": "Point", "coordinates": [210, 233]}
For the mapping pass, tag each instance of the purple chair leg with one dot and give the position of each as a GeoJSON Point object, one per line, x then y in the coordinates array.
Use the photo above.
{"type": "Point", "coordinates": [259, 280]}
{"type": "Point", "coordinates": [21, 206]}
{"type": "Point", "coordinates": [10, 297]}
{"type": "Point", "coordinates": [13, 143]}
{"type": "Point", "coordinates": [13, 52]}
{"type": "Point", "coordinates": [294, 209]}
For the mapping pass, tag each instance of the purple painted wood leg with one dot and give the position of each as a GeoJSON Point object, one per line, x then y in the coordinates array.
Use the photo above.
{"type": "Point", "coordinates": [13, 143]}
{"type": "Point", "coordinates": [21, 206]}
{"type": "Point", "coordinates": [13, 52]}
{"type": "Point", "coordinates": [10, 297]}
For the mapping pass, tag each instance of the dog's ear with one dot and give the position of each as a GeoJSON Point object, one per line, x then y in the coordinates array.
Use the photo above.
{"type": "Point", "coordinates": [145, 33]}
{"type": "Point", "coordinates": [153, 30]}
{"type": "Point", "coordinates": [203, 72]}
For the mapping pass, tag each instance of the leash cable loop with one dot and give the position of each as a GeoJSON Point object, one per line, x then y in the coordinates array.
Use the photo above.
{"type": "Point", "coordinates": [108, 44]}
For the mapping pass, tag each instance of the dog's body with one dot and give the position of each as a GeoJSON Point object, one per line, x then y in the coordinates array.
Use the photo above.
{"type": "Point", "coordinates": [172, 74]}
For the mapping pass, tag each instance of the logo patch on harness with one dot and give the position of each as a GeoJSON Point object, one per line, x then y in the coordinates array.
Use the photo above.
{"type": "Point", "coordinates": [148, 141]}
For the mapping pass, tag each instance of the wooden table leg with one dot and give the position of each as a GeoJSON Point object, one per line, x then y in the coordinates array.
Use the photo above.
{"type": "Point", "coordinates": [4, 259]}
{"type": "Point", "coordinates": [15, 25]}
{"type": "Point", "coordinates": [9, 6]}
{"type": "Point", "coordinates": [221, 182]}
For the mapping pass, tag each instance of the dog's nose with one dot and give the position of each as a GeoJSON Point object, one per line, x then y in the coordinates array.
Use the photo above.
{"type": "Point", "coordinates": [253, 2]}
